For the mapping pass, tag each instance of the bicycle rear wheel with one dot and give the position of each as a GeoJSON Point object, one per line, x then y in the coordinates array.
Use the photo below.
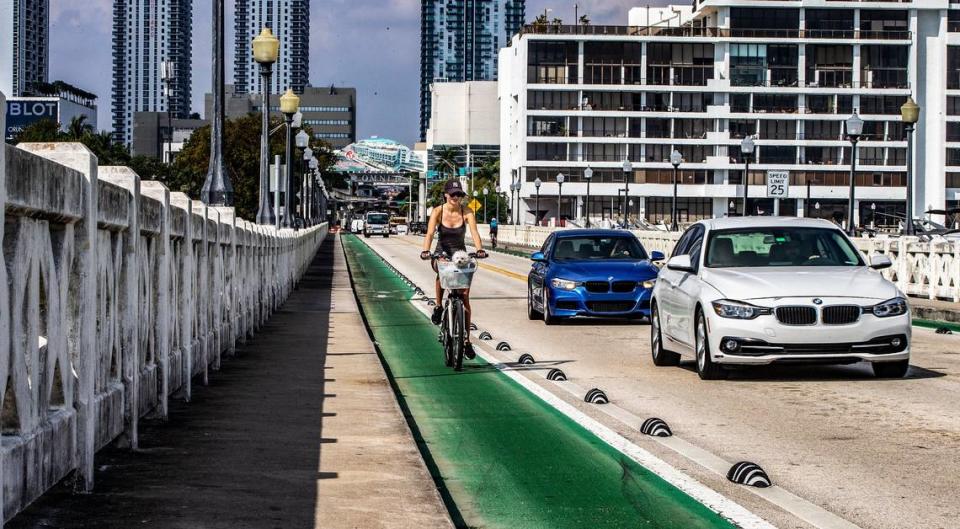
{"type": "Point", "coordinates": [445, 337]}
{"type": "Point", "coordinates": [457, 333]}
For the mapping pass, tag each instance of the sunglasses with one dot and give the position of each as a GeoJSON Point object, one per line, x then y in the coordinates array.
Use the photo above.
{"type": "Point", "coordinates": [458, 195]}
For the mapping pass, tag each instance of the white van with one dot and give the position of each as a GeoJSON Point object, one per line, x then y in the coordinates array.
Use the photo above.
{"type": "Point", "coordinates": [376, 224]}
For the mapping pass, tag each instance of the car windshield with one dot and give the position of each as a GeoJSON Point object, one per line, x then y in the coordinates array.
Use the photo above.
{"type": "Point", "coordinates": [376, 219]}
{"type": "Point", "coordinates": [762, 247]}
{"type": "Point", "coordinates": [597, 248]}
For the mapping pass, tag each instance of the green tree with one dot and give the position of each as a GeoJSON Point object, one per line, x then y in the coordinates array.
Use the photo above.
{"type": "Point", "coordinates": [79, 128]}
{"type": "Point", "coordinates": [44, 130]}
{"type": "Point", "coordinates": [241, 156]}
{"type": "Point", "coordinates": [445, 160]}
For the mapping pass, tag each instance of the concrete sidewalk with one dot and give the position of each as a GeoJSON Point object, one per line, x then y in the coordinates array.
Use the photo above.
{"type": "Point", "coordinates": [301, 429]}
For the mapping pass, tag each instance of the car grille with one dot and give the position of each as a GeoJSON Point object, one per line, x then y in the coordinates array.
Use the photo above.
{"type": "Point", "coordinates": [840, 314]}
{"type": "Point", "coordinates": [797, 315]}
{"type": "Point", "coordinates": [624, 286]}
{"type": "Point", "coordinates": [597, 287]}
{"type": "Point", "coordinates": [567, 305]}
{"type": "Point", "coordinates": [610, 306]}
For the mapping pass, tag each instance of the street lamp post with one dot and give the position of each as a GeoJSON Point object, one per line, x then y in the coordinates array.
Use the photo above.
{"type": "Point", "coordinates": [266, 48]}
{"type": "Point", "coordinates": [746, 149]}
{"type": "Point", "coordinates": [588, 175]}
{"type": "Point", "coordinates": [168, 75]}
{"type": "Point", "coordinates": [302, 141]}
{"type": "Point", "coordinates": [315, 204]}
{"type": "Point", "coordinates": [854, 129]}
{"type": "Point", "coordinates": [515, 197]}
{"type": "Point", "coordinates": [289, 103]}
{"type": "Point", "coordinates": [217, 189]}
{"type": "Point", "coordinates": [675, 160]}
{"type": "Point", "coordinates": [560, 179]}
{"type": "Point", "coordinates": [498, 190]}
{"type": "Point", "coordinates": [536, 214]}
{"type": "Point", "coordinates": [627, 174]}
{"type": "Point", "coordinates": [486, 191]}
{"type": "Point", "coordinates": [910, 113]}
{"type": "Point", "coordinates": [806, 203]}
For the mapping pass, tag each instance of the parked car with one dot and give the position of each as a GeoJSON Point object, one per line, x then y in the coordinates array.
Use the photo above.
{"type": "Point", "coordinates": [418, 228]}
{"type": "Point", "coordinates": [376, 224]}
{"type": "Point", "coordinates": [590, 273]}
{"type": "Point", "coordinates": [356, 225]}
{"type": "Point", "coordinates": [762, 290]}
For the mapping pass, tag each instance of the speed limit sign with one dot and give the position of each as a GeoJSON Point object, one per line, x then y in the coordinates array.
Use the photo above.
{"type": "Point", "coordinates": [778, 184]}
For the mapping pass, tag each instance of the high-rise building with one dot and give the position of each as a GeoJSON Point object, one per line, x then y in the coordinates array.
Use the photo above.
{"type": "Point", "coordinates": [24, 46]}
{"type": "Point", "coordinates": [290, 22]}
{"type": "Point", "coordinates": [787, 76]}
{"type": "Point", "coordinates": [459, 41]}
{"type": "Point", "coordinates": [146, 33]}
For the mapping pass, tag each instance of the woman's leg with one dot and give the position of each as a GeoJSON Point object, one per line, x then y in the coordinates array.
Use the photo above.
{"type": "Point", "coordinates": [439, 292]}
{"type": "Point", "coordinates": [467, 312]}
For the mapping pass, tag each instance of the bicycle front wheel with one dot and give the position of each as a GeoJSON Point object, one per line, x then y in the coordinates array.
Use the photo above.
{"type": "Point", "coordinates": [457, 333]}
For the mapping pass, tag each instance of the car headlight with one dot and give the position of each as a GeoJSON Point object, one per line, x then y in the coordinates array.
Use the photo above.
{"type": "Point", "coordinates": [891, 307]}
{"type": "Point", "coordinates": [564, 284]}
{"type": "Point", "coordinates": [726, 308]}
{"type": "Point", "coordinates": [649, 284]}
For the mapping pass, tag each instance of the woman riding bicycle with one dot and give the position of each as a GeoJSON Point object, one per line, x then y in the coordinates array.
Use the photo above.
{"type": "Point", "coordinates": [452, 220]}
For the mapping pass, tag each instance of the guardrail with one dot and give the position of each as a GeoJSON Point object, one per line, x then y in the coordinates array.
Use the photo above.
{"type": "Point", "coordinates": [114, 294]}
{"type": "Point", "coordinates": [921, 269]}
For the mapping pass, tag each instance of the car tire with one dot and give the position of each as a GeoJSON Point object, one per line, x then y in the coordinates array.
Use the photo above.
{"type": "Point", "coordinates": [661, 357]}
{"type": "Point", "coordinates": [706, 368]}
{"type": "Point", "coordinates": [532, 313]}
{"type": "Point", "coordinates": [896, 369]}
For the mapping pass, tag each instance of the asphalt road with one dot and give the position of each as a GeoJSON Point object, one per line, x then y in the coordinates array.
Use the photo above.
{"type": "Point", "coordinates": [879, 453]}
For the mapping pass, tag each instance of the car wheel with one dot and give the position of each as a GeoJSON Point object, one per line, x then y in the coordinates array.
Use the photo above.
{"type": "Point", "coordinates": [661, 357]}
{"type": "Point", "coordinates": [532, 313]}
{"type": "Point", "coordinates": [896, 369]}
{"type": "Point", "coordinates": [706, 368]}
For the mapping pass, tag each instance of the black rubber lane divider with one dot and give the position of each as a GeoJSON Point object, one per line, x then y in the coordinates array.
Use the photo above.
{"type": "Point", "coordinates": [503, 346]}
{"type": "Point", "coordinates": [749, 474]}
{"type": "Point", "coordinates": [526, 359]}
{"type": "Point", "coordinates": [656, 427]}
{"type": "Point", "coordinates": [596, 396]}
{"type": "Point", "coordinates": [556, 375]}
{"type": "Point", "coordinates": [485, 336]}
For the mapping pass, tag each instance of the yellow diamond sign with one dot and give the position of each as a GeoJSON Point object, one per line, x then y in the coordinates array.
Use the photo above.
{"type": "Point", "coordinates": [474, 205]}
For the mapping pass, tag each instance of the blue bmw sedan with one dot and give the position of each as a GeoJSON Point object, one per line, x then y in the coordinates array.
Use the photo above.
{"type": "Point", "coordinates": [590, 273]}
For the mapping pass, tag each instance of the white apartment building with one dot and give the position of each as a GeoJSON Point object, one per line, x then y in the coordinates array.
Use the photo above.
{"type": "Point", "coordinates": [700, 78]}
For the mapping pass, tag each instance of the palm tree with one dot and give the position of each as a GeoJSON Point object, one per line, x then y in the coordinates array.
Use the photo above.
{"type": "Point", "coordinates": [446, 159]}
{"type": "Point", "coordinates": [584, 20]}
{"type": "Point", "coordinates": [79, 128]}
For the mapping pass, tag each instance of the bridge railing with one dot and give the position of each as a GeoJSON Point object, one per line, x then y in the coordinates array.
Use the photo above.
{"type": "Point", "coordinates": [922, 269]}
{"type": "Point", "coordinates": [115, 294]}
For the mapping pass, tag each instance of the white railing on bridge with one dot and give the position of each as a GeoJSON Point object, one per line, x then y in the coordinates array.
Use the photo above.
{"type": "Point", "coordinates": [114, 295]}
{"type": "Point", "coordinates": [922, 269]}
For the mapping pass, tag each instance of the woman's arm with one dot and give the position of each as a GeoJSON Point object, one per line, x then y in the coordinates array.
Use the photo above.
{"type": "Point", "coordinates": [472, 222]}
{"type": "Point", "coordinates": [431, 227]}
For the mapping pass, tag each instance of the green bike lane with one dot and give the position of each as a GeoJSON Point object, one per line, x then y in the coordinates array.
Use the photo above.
{"type": "Point", "coordinates": [502, 457]}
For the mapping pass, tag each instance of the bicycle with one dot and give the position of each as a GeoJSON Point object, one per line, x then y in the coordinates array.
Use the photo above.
{"type": "Point", "coordinates": [454, 281]}
{"type": "Point", "coordinates": [493, 239]}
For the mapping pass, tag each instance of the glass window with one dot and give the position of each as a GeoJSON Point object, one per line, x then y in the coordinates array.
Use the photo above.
{"type": "Point", "coordinates": [597, 248]}
{"type": "Point", "coordinates": [774, 246]}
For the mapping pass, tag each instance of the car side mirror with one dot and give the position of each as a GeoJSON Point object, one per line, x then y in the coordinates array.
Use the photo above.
{"type": "Point", "coordinates": [538, 257]}
{"type": "Point", "coordinates": [657, 256]}
{"type": "Point", "coordinates": [680, 263]}
{"type": "Point", "coordinates": [880, 261]}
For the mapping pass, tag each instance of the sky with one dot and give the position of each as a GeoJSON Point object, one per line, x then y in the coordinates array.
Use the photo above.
{"type": "Point", "coordinates": [373, 45]}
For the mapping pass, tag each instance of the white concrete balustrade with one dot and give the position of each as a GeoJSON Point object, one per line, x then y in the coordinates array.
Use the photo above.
{"type": "Point", "coordinates": [923, 269]}
{"type": "Point", "coordinates": [115, 296]}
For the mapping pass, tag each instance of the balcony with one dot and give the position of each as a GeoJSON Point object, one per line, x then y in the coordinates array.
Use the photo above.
{"type": "Point", "coordinates": [712, 32]}
{"type": "Point", "coordinates": [664, 75]}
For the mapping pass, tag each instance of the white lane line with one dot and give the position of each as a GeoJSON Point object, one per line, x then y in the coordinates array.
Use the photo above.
{"type": "Point", "coordinates": [786, 500]}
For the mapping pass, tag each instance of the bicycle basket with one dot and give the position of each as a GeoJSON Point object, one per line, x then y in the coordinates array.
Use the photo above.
{"type": "Point", "coordinates": [453, 277]}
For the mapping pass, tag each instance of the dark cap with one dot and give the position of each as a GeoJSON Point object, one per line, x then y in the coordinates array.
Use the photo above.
{"type": "Point", "coordinates": [453, 187]}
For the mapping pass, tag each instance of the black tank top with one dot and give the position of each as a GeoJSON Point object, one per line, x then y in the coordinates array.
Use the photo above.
{"type": "Point", "coordinates": [452, 239]}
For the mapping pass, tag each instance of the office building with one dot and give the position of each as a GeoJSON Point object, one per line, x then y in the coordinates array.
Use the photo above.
{"type": "Point", "coordinates": [59, 102]}
{"type": "Point", "coordinates": [290, 22]}
{"type": "Point", "coordinates": [459, 40]}
{"type": "Point", "coordinates": [146, 33]}
{"type": "Point", "coordinates": [701, 78]}
{"type": "Point", "coordinates": [24, 46]}
{"type": "Point", "coordinates": [383, 155]}
{"type": "Point", "coordinates": [159, 135]}
{"type": "Point", "coordinates": [331, 112]}
{"type": "Point", "coordinates": [466, 117]}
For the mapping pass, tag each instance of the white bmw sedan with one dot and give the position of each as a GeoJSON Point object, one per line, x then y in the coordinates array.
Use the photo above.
{"type": "Point", "coordinates": [762, 290]}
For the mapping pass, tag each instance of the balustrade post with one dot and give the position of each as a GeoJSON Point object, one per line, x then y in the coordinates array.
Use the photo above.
{"type": "Point", "coordinates": [188, 304]}
{"type": "Point", "coordinates": [164, 310]}
{"type": "Point", "coordinates": [129, 317]}
{"type": "Point", "coordinates": [4, 294]}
